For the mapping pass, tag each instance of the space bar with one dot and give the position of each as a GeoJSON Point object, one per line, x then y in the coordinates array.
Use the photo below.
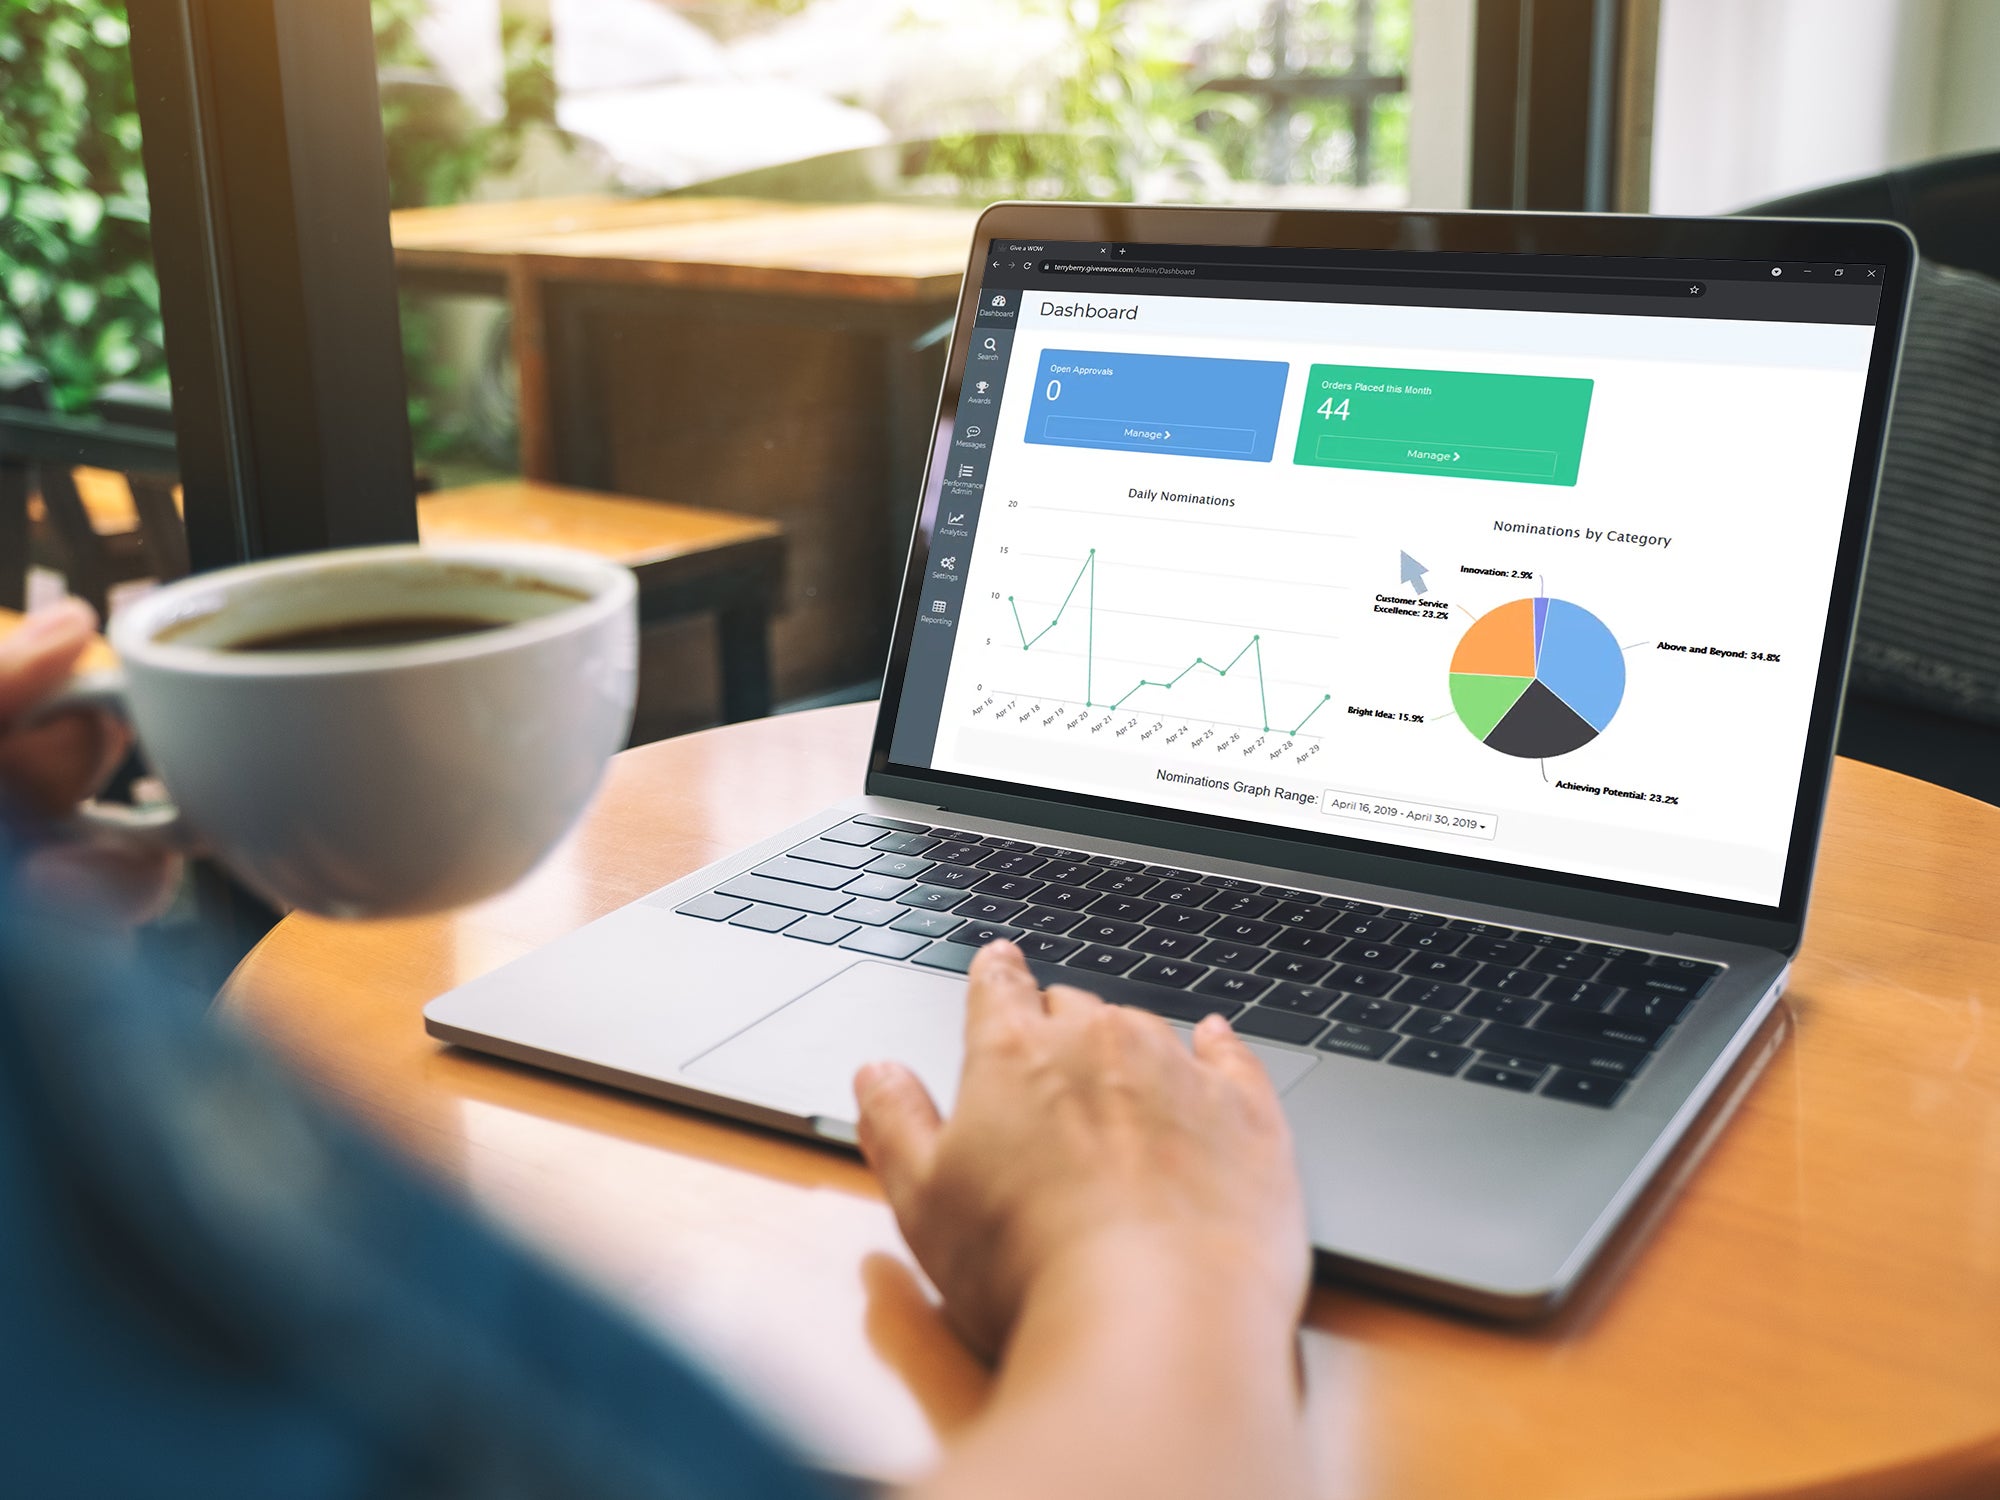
{"type": "Point", "coordinates": [1175, 1005]}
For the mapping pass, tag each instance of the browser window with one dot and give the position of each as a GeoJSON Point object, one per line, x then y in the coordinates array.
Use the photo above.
{"type": "Point", "coordinates": [1516, 558]}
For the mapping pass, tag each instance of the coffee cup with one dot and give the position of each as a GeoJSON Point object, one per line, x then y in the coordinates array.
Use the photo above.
{"type": "Point", "coordinates": [377, 732]}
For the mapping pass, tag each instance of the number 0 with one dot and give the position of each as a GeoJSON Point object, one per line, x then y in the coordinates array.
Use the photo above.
{"type": "Point", "coordinates": [1055, 389]}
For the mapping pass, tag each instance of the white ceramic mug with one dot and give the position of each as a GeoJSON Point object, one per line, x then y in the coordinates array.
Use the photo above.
{"type": "Point", "coordinates": [374, 780]}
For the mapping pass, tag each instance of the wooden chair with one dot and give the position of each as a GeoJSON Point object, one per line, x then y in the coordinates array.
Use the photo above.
{"type": "Point", "coordinates": [689, 561]}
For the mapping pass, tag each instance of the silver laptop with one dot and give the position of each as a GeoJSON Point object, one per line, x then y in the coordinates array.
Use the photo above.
{"type": "Point", "coordinates": [1417, 637]}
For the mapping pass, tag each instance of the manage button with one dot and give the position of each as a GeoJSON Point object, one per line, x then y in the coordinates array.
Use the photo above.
{"type": "Point", "coordinates": [1461, 458]}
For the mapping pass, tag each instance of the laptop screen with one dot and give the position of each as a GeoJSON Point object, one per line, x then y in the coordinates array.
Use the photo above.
{"type": "Point", "coordinates": [1521, 559]}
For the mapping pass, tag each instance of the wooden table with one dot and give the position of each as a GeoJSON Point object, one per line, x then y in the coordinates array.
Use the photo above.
{"type": "Point", "coordinates": [1817, 1314]}
{"type": "Point", "coordinates": [771, 358]}
{"type": "Point", "coordinates": [689, 560]}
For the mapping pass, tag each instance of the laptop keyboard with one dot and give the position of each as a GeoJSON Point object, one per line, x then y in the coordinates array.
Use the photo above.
{"type": "Point", "coordinates": [1529, 1012]}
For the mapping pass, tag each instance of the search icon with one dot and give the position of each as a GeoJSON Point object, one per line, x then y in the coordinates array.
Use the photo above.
{"type": "Point", "coordinates": [992, 344]}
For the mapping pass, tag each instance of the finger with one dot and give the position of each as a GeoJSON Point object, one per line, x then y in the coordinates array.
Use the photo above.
{"type": "Point", "coordinates": [1001, 990]}
{"type": "Point", "coordinates": [48, 769]}
{"type": "Point", "coordinates": [898, 1131]}
{"type": "Point", "coordinates": [1066, 1000]}
{"type": "Point", "coordinates": [37, 656]}
{"type": "Point", "coordinates": [1217, 1044]}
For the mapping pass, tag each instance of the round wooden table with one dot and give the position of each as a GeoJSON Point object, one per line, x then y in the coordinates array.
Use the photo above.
{"type": "Point", "coordinates": [1816, 1314]}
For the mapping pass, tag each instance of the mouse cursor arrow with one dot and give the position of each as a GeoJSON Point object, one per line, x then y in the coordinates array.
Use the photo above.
{"type": "Point", "coordinates": [1413, 573]}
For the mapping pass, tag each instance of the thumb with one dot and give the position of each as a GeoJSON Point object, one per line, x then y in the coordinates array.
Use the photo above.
{"type": "Point", "coordinates": [899, 1129]}
{"type": "Point", "coordinates": [36, 657]}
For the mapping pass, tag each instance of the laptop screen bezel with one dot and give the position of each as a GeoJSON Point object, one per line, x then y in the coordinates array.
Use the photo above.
{"type": "Point", "coordinates": [1494, 883]}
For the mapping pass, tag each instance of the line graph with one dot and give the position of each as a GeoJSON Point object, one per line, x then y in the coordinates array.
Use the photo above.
{"type": "Point", "coordinates": [1252, 648]}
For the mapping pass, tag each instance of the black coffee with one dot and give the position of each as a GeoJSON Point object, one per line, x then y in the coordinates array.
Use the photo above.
{"type": "Point", "coordinates": [361, 635]}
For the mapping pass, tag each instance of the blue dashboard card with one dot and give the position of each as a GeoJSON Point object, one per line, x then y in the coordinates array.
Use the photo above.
{"type": "Point", "coordinates": [1158, 403]}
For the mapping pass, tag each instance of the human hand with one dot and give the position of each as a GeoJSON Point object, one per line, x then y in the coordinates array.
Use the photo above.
{"type": "Point", "coordinates": [46, 770]}
{"type": "Point", "coordinates": [1087, 1134]}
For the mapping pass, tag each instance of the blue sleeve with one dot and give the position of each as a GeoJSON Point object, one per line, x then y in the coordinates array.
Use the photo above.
{"type": "Point", "coordinates": [210, 1286]}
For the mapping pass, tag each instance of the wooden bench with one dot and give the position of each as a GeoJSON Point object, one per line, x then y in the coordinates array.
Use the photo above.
{"type": "Point", "coordinates": [689, 561]}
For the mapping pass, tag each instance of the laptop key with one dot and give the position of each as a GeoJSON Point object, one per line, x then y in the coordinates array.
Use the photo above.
{"type": "Point", "coordinates": [1010, 862]}
{"type": "Point", "coordinates": [1278, 1025]}
{"type": "Point", "coordinates": [764, 918]}
{"type": "Point", "coordinates": [1012, 846]}
{"type": "Point", "coordinates": [1295, 967]}
{"type": "Point", "coordinates": [1122, 882]}
{"type": "Point", "coordinates": [1430, 1057]}
{"type": "Point", "coordinates": [979, 934]}
{"type": "Point", "coordinates": [1375, 955]}
{"type": "Point", "coordinates": [826, 852]}
{"type": "Point", "coordinates": [1383, 1014]}
{"type": "Point", "coordinates": [897, 825]}
{"type": "Point", "coordinates": [1299, 917]}
{"type": "Point", "coordinates": [870, 913]}
{"type": "Point", "coordinates": [1502, 951]}
{"type": "Point", "coordinates": [1226, 985]}
{"type": "Point", "coordinates": [861, 835]}
{"type": "Point", "coordinates": [1407, 914]}
{"type": "Point", "coordinates": [1489, 1006]}
{"type": "Point", "coordinates": [1292, 894]}
{"type": "Point", "coordinates": [883, 943]}
{"type": "Point", "coordinates": [1348, 903]}
{"type": "Point", "coordinates": [1509, 981]}
{"type": "Point", "coordinates": [768, 892]}
{"type": "Point", "coordinates": [1675, 977]}
{"type": "Point", "coordinates": [957, 877]}
{"type": "Point", "coordinates": [1171, 872]}
{"type": "Point", "coordinates": [1621, 1030]}
{"type": "Point", "coordinates": [932, 898]}
{"type": "Point", "coordinates": [1165, 943]}
{"type": "Point", "coordinates": [1573, 1052]}
{"type": "Point", "coordinates": [1175, 973]}
{"type": "Point", "coordinates": [906, 843]}
{"type": "Point", "coordinates": [1364, 927]}
{"type": "Point", "coordinates": [1114, 862]}
{"type": "Point", "coordinates": [1300, 999]}
{"type": "Point", "coordinates": [1066, 897]}
{"type": "Point", "coordinates": [1581, 994]}
{"type": "Point", "coordinates": [1227, 955]}
{"type": "Point", "coordinates": [1570, 965]}
{"type": "Point", "coordinates": [1351, 1040]}
{"type": "Point", "coordinates": [1181, 919]}
{"type": "Point", "coordinates": [1432, 994]}
{"type": "Point", "coordinates": [713, 907]}
{"type": "Point", "coordinates": [953, 956]}
{"type": "Point", "coordinates": [1665, 1009]}
{"type": "Point", "coordinates": [1244, 930]}
{"type": "Point", "coordinates": [875, 887]}
{"type": "Point", "coordinates": [930, 924]}
{"type": "Point", "coordinates": [1240, 903]}
{"type": "Point", "coordinates": [804, 872]}
{"type": "Point", "coordinates": [1102, 960]}
{"type": "Point", "coordinates": [966, 855]}
{"type": "Point", "coordinates": [1501, 1078]}
{"type": "Point", "coordinates": [1512, 1063]}
{"type": "Point", "coordinates": [1311, 944]}
{"type": "Point", "coordinates": [902, 866]}
{"type": "Point", "coordinates": [989, 908]}
{"type": "Point", "coordinates": [1047, 948]}
{"type": "Point", "coordinates": [1096, 929]}
{"type": "Point", "coordinates": [1013, 887]}
{"type": "Point", "coordinates": [1064, 872]}
{"type": "Point", "coordinates": [1177, 893]}
{"type": "Point", "coordinates": [1549, 940]}
{"type": "Point", "coordinates": [1228, 883]}
{"type": "Point", "coordinates": [1440, 966]}
{"type": "Point", "coordinates": [1439, 1026]}
{"type": "Point", "coordinates": [1048, 919]}
{"type": "Point", "coordinates": [1584, 1088]}
{"type": "Point", "coordinates": [822, 929]}
{"type": "Point", "coordinates": [1124, 908]}
{"type": "Point", "coordinates": [1431, 939]}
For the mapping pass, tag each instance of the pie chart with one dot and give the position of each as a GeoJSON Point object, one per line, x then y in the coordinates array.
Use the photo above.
{"type": "Point", "coordinates": [1537, 678]}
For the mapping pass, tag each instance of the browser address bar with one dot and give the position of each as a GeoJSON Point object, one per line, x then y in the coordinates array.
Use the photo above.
{"type": "Point", "coordinates": [1544, 283]}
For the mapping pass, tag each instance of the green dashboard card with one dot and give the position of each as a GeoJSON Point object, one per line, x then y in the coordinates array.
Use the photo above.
{"type": "Point", "coordinates": [1526, 429]}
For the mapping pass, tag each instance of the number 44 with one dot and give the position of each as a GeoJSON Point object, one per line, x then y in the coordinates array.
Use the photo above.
{"type": "Point", "coordinates": [1328, 410]}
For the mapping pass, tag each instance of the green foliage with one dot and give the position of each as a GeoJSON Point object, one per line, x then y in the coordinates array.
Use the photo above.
{"type": "Point", "coordinates": [77, 291]}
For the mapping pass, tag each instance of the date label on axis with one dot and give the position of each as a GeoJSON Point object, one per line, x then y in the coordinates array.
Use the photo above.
{"type": "Point", "coordinates": [1471, 825]}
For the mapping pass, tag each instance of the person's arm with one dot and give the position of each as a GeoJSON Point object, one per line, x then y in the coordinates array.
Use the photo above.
{"type": "Point", "coordinates": [1117, 1220]}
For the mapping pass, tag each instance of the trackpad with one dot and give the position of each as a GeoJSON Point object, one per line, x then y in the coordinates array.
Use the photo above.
{"type": "Point", "coordinates": [803, 1058]}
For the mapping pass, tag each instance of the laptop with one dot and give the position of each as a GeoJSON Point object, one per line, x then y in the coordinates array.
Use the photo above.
{"type": "Point", "coordinates": [1418, 637]}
